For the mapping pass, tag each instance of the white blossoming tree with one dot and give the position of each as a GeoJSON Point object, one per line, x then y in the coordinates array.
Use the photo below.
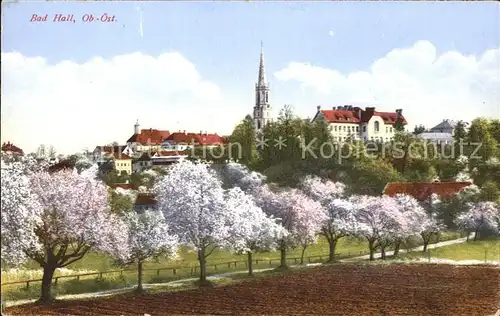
{"type": "Point", "coordinates": [251, 230]}
{"type": "Point", "coordinates": [148, 238]}
{"type": "Point", "coordinates": [192, 200]}
{"type": "Point", "coordinates": [75, 217]}
{"type": "Point", "coordinates": [20, 214]}
{"type": "Point", "coordinates": [481, 215]}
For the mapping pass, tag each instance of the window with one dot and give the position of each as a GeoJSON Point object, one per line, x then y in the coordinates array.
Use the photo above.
{"type": "Point", "coordinates": [390, 129]}
{"type": "Point", "coordinates": [344, 128]}
{"type": "Point", "coordinates": [349, 129]}
{"type": "Point", "coordinates": [258, 124]}
{"type": "Point", "coordinates": [335, 128]}
{"type": "Point", "coordinates": [357, 128]}
{"type": "Point", "coordinates": [364, 128]}
{"type": "Point", "coordinates": [377, 127]}
{"type": "Point", "coordinates": [267, 100]}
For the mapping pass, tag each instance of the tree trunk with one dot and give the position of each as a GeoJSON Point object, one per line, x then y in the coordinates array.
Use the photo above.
{"type": "Point", "coordinates": [250, 268]}
{"type": "Point", "coordinates": [48, 273]}
{"type": "Point", "coordinates": [475, 234]}
{"type": "Point", "coordinates": [332, 243]}
{"type": "Point", "coordinates": [372, 250]}
{"type": "Point", "coordinates": [302, 255]}
{"type": "Point", "coordinates": [139, 277]}
{"type": "Point", "coordinates": [396, 248]}
{"type": "Point", "coordinates": [467, 236]}
{"type": "Point", "coordinates": [426, 243]}
{"type": "Point", "coordinates": [382, 253]}
{"type": "Point", "coordinates": [203, 265]}
{"type": "Point", "coordinates": [283, 255]}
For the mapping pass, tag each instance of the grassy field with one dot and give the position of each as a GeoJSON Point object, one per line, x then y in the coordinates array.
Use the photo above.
{"type": "Point", "coordinates": [488, 249]}
{"type": "Point", "coordinates": [97, 262]}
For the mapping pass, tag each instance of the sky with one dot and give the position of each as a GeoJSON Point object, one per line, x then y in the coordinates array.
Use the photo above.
{"type": "Point", "coordinates": [193, 65]}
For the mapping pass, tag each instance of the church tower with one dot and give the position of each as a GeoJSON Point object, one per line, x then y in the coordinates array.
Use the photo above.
{"type": "Point", "coordinates": [262, 112]}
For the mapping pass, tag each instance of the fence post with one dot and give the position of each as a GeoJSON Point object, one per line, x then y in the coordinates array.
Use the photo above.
{"type": "Point", "coordinates": [100, 275]}
{"type": "Point", "coordinates": [78, 278]}
{"type": "Point", "coordinates": [174, 271]}
{"type": "Point", "coordinates": [27, 284]}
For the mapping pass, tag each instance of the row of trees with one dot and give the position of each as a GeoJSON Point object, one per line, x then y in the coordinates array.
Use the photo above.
{"type": "Point", "coordinates": [56, 218]}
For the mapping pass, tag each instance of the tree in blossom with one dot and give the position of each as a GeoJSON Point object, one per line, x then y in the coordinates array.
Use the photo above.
{"type": "Point", "coordinates": [251, 230]}
{"type": "Point", "coordinates": [192, 200]}
{"type": "Point", "coordinates": [481, 215]}
{"type": "Point", "coordinates": [20, 214]}
{"type": "Point", "coordinates": [148, 238]}
{"type": "Point", "coordinates": [75, 218]}
{"type": "Point", "coordinates": [379, 221]}
{"type": "Point", "coordinates": [433, 225]}
{"type": "Point", "coordinates": [340, 220]}
{"type": "Point", "coordinates": [236, 174]}
{"type": "Point", "coordinates": [416, 223]}
{"type": "Point", "coordinates": [300, 216]}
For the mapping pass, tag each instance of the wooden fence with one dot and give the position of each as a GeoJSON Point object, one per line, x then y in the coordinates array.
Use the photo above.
{"type": "Point", "coordinates": [193, 269]}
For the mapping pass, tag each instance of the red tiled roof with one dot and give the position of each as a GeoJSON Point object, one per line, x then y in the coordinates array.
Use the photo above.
{"type": "Point", "coordinates": [125, 186]}
{"type": "Point", "coordinates": [210, 139]}
{"type": "Point", "coordinates": [149, 137]}
{"type": "Point", "coordinates": [423, 190]}
{"type": "Point", "coordinates": [353, 116]}
{"type": "Point", "coordinates": [340, 116]}
{"type": "Point", "coordinates": [12, 148]}
{"type": "Point", "coordinates": [145, 199]}
{"type": "Point", "coordinates": [120, 156]}
{"type": "Point", "coordinates": [183, 138]}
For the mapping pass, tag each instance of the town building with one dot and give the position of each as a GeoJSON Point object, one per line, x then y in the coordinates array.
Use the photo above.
{"type": "Point", "coordinates": [145, 202]}
{"type": "Point", "coordinates": [262, 111]}
{"type": "Point", "coordinates": [353, 123]}
{"type": "Point", "coordinates": [442, 133]}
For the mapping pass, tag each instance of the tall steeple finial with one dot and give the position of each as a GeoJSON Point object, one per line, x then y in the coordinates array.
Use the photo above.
{"type": "Point", "coordinates": [262, 73]}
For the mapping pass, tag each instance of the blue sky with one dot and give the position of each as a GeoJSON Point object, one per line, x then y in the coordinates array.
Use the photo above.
{"type": "Point", "coordinates": [222, 40]}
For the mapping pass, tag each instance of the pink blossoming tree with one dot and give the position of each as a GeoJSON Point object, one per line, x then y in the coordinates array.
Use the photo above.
{"type": "Point", "coordinates": [72, 217]}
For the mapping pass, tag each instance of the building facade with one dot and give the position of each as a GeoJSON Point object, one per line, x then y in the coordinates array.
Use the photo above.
{"type": "Point", "coordinates": [262, 111]}
{"type": "Point", "coordinates": [354, 123]}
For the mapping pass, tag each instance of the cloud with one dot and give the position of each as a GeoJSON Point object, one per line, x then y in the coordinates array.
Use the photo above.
{"type": "Point", "coordinates": [429, 87]}
{"type": "Point", "coordinates": [73, 106]}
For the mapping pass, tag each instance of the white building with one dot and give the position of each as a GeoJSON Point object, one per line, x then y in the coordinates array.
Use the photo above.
{"type": "Point", "coordinates": [441, 133]}
{"type": "Point", "coordinates": [353, 123]}
{"type": "Point", "coordinates": [262, 111]}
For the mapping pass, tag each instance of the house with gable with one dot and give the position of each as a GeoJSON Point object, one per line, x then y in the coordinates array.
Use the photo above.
{"type": "Point", "coordinates": [354, 123]}
{"type": "Point", "coordinates": [145, 202]}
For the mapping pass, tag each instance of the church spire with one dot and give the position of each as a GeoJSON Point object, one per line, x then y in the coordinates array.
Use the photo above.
{"type": "Point", "coordinates": [262, 74]}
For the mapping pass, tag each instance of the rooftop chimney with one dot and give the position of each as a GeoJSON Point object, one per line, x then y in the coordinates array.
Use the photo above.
{"type": "Point", "coordinates": [201, 132]}
{"type": "Point", "coordinates": [370, 109]}
{"type": "Point", "coordinates": [318, 107]}
{"type": "Point", "coordinates": [399, 111]}
{"type": "Point", "coordinates": [339, 107]}
{"type": "Point", "coordinates": [184, 132]}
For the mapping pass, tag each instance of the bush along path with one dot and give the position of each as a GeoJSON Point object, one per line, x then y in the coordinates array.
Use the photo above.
{"type": "Point", "coordinates": [181, 282]}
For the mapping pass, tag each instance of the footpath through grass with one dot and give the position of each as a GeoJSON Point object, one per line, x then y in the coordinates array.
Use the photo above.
{"type": "Point", "coordinates": [483, 250]}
